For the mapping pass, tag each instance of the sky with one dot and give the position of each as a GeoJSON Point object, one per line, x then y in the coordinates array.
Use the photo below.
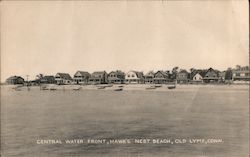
{"type": "Point", "coordinates": [65, 36]}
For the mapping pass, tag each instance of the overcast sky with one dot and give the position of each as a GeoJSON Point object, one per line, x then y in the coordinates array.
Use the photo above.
{"type": "Point", "coordinates": [65, 36]}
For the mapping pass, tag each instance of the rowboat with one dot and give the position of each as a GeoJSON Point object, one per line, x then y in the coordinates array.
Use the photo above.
{"type": "Point", "coordinates": [110, 85]}
{"type": "Point", "coordinates": [171, 87]}
{"type": "Point", "coordinates": [118, 89]}
{"type": "Point", "coordinates": [77, 88]}
{"type": "Point", "coordinates": [44, 88]}
{"type": "Point", "coordinates": [157, 86]}
{"type": "Point", "coordinates": [52, 89]}
{"type": "Point", "coordinates": [101, 87]}
{"type": "Point", "coordinates": [151, 87]}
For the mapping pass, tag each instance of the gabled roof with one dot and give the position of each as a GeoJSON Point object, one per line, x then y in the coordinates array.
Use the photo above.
{"type": "Point", "coordinates": [98, 72]}
{"type": "Point", "coordinates": [183, 71]}
{"type": "Point", "coordinates": [211, 69]}
{"type": "Point", "coordinates": [48, 77]}
{"type": "Point", "coordinates": [65, 76]}
{"type": "Point", "coordinates": [163, 73]}
{"type": "Point", "coordinates": [117, 72]}
{"type": "Point", "coordinates": [83, 73]}
{"type": "Point", "coordinates": [150, 73]}
{"type": "Point", "coordinates": [139, 74]}
{"type": "Point", "coordinates": [201, 72]}
{"type": "Point", "coordinates": [14, 77]}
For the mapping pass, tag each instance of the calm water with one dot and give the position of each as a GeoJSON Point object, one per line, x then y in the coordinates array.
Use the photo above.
{"type": "Point", "coordinates": [195, 112]}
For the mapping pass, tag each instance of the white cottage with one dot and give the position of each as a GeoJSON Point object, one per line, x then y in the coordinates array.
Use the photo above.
{"type": "Point", "coordinates": [63, 78]}
{"type": "Point", "coordinates": [197, 77]}
{"type": "Point", "coordinates": [81, 77]}
{"type": "Point", "coordinates": [134, 77]}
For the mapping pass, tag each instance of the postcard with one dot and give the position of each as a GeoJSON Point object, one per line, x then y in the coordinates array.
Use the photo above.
{"type": "Point", "coordinates": [125, 78]}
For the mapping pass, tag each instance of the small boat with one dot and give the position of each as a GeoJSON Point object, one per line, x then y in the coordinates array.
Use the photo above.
{"type": "Point", "coordinates": [171, 87]}
{"type": "Point", "coordinates": [110, 85]}
{"type": "Point", "coordinates": [44, 88]}
{"type": "Point", "coordinates": [118, 89]}
{"type": "Point", "coordinates": [101, 87]}
{"type": "Point", "coordinates": [52, 89]}
{"type": "Point", "coordinates": [120, 86]}
{"type": "Point", "coordinates": [77, 88]}
{"type": "Point", "coordinates": [151, 87]}
{"type": "Point", "coordinates": [157, 86]}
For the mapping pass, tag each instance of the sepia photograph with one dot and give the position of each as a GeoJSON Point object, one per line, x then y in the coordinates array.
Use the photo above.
{"type": "Point", "coordinates": [125, 78]}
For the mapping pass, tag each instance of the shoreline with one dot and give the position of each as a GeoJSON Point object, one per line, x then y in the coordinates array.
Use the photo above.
{"type": "Point", "coordinates": [123, 87]}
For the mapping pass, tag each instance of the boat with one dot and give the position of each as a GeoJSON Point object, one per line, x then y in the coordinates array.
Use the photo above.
{"type": "Point", "coordinates": [101, 87]}
{"type": "Point", "coordinates": [171, 87]}
{"type": "Point", "coordinates": [110, 85]}
{"type": "Point", "coordinates": [120, 86]}
{"type": "Point", "coordinates": [157, 86]}
{"type": "Point", "coordinates": [151, 87]}
{"type": "Point", "coordinates": [118, 89]}
{"type": "Point", "coordinates": [52, 89]}
{"type": "Point", "coordinates": [77, 88]}
{"type": "Point", "coordinates": [44, 88]}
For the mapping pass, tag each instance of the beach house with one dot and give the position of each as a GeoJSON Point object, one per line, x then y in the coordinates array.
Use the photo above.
{"type": "Point", "coordinates": [49, 79]}
{"type": "Point", "coordinates": [211, 76]}
{"type": "Point", "coordinates": [183, 76]}
{"type": "Point", "coordinates": [161, 77]}
{"type": "Point", "coordinates": [15, 80]}
{"type": "Point", "coordinates": [241, 73]}
{"type": "Point", "coordinates": [197, 76]}
{"type": "Point", "coordinates": [63, 78]}
{"type": "Point", "coordinates": [116, 77]}
{"type": "Point", "coordinates": [149, 77]}
{"type": "Point", "coordinates": [98, 77]}
{"type": "Point", "coordinates": [134, 77]}
{"type": "Point", "coordinates": [81, 77]}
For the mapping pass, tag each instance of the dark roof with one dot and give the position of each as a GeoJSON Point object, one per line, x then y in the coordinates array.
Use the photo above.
{"type": "Point", "coordinates": [183, 71]}
{"type": "Point", "coordinates": [117, 72]}
{"type": "Point", "coordinates": [150, 73]}
{"type": "Point", "coordinates": [138, 74]}
{"type": "Point", "coordinates": [83, 73]}
{"type": "Point", "coordinates": [14, 77]}
{"type": "Point", "coordinates": [201, 72]}
{"type": "Point", "coordinates": [97, 74]}
{"type": "Point", "coordinates": [162, 72]}
{"type": "Point", "coordinates": [48, 77]}
{"type": "Point", "coordinates": [65, 76]}
{"type": "Point", "coordinates": [211, 69]}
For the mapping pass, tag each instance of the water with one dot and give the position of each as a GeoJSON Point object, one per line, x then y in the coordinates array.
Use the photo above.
{"type": "Point", "coordinates": [220, 112]}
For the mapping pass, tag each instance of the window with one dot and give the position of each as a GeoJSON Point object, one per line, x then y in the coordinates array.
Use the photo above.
{"type": "Point", "coordinates": [133, 75]}
{"type": "Point", "coordinates": [128, 75]}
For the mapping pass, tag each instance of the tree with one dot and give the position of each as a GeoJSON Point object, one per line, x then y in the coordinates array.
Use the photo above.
{"type": "Point", "coordinates": [39, 77]}
{"type": "Point", "coordinates": [192, 70]}
{"type": "Point", "coordinates": [229, 74]}
{"type": "Point", "coordinates": [174, 72]}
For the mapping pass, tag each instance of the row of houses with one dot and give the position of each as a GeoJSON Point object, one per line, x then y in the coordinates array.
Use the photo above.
{"type": "Point", "coordinates": [134, 77]}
